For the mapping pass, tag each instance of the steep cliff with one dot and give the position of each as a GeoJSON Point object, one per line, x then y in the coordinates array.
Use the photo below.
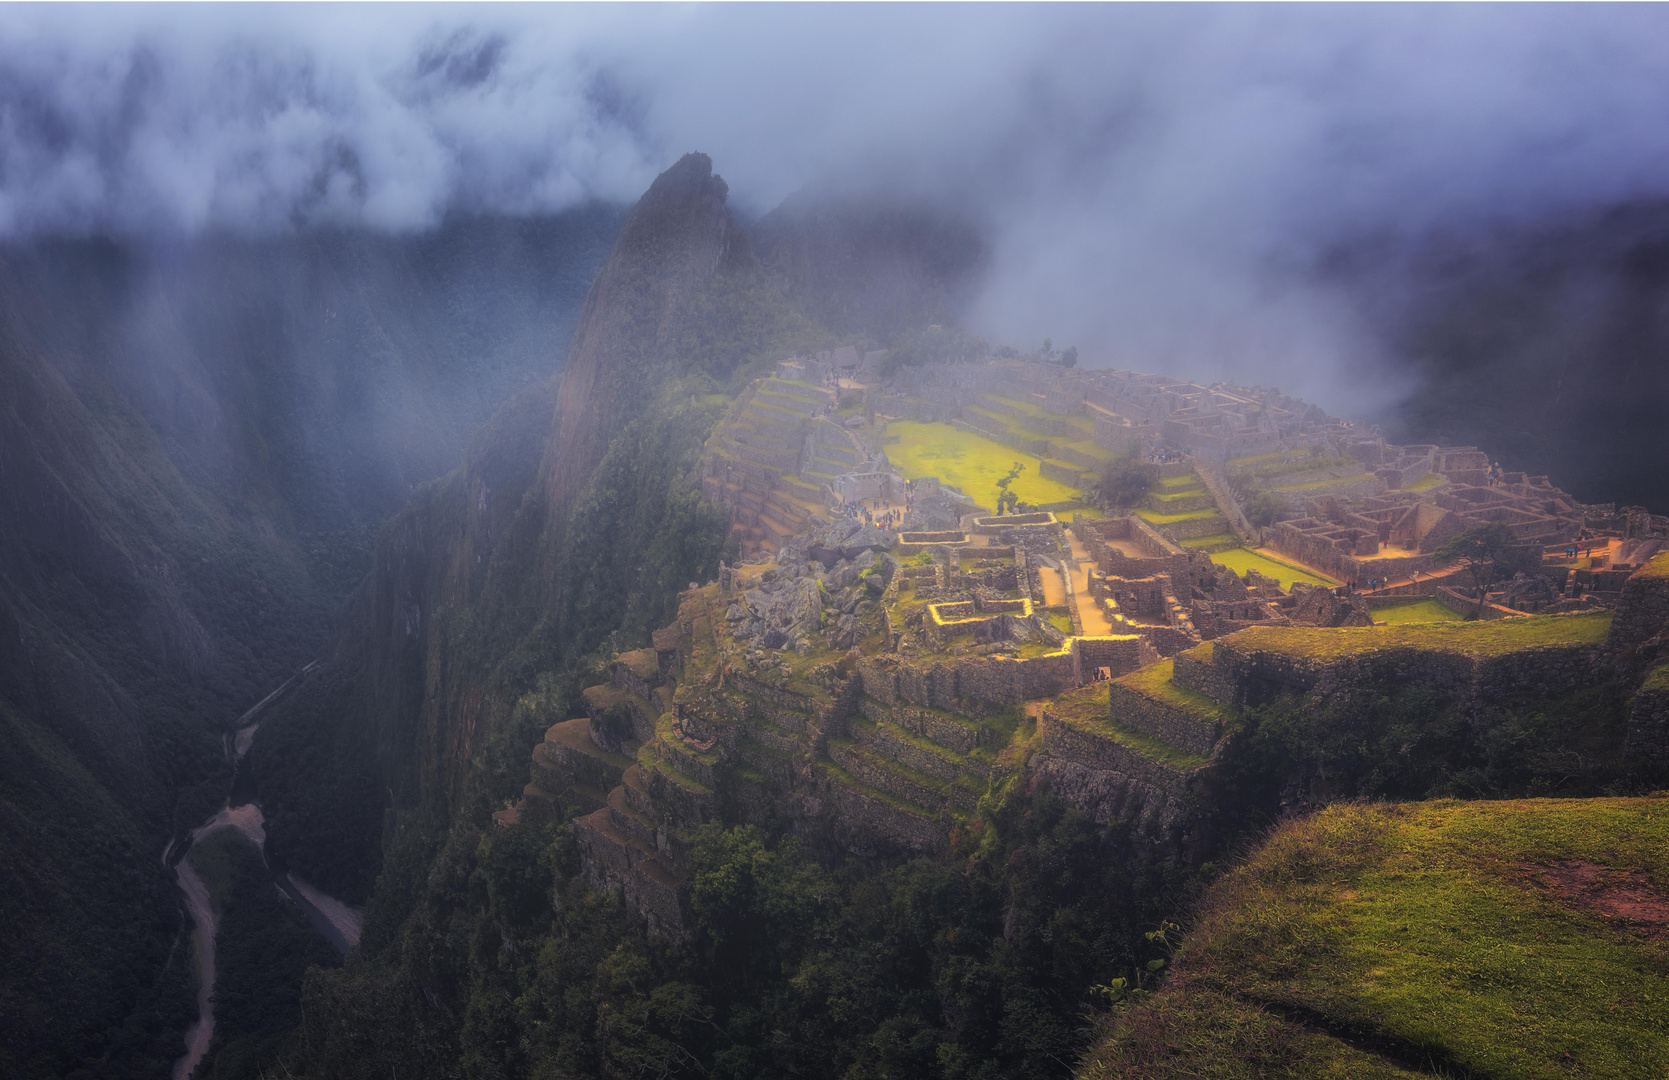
{"type": "Point", "coordinates": [197, 440]}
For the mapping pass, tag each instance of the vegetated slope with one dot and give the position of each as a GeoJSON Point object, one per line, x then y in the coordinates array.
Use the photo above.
{"type": "Point", "coordinates": [498, 594]}
{"type": "Point", "coordinates": [1511, 940]}
{"type": "Point", "coordinates": [196, 443]}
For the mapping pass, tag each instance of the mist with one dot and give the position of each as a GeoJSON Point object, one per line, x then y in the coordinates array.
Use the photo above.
{"type": "Point", "coordinates": [1167, 188]}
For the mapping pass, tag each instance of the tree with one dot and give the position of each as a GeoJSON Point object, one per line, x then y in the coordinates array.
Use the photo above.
{"type": "Point", "coordinates": [1004, 495]}
{"type": "Point", "coordinates": [1125, 480]}
{"type": "Point", "coordinates": [1491, 551]}
{"type": "Point", "coordinates": [1069, 356]}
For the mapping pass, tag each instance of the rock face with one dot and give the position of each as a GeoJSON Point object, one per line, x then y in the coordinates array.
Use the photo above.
{"type": "Point", "coordinates": [677, 237]}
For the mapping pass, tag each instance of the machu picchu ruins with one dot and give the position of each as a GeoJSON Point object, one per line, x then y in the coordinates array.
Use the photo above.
{"type": "Point", "coordinates": [889, 651]}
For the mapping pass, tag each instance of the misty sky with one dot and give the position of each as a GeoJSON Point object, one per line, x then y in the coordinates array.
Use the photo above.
{"type": "Point", "coordinates": [1164, 186]}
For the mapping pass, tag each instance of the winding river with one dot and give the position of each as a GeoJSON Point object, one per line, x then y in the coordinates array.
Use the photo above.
{"type": "Point", "coordinates": [335, 921]}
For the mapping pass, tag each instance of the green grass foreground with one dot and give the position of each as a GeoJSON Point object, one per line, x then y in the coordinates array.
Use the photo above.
{"type": "Point", "coordinates": [970, 462]}
{"type": "Point", "coordinates": [1515, 940]}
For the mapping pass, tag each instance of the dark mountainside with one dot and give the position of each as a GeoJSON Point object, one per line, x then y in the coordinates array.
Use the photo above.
{"type": "Point", "coordinates": [864, 266]}
{"type": "Point", "coordinates": [1545, 346]}
{"type": "Point", "coordinates": [197, 442]}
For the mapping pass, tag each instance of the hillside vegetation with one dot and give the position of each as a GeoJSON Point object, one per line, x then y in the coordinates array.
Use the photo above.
{"type": "Point", "coordinates": [1515, 940]}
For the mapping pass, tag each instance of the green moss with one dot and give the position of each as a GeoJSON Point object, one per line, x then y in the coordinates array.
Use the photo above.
{"type": "Point", "coordinates": [1657, 680]}
{"type": "Point", "coordinates": [1435, 928]}
{"type": "Point", "coordinates": [1480, 639]}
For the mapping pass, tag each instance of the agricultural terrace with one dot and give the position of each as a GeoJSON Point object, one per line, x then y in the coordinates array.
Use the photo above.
{"type": "Point", "coordinates": [1512, 939]}
{"type": "Point", "coordinates": [970, 462]}
{"type": "Point", "coordinates": [1479, 639]}
{"type": "Point", "coordinates": [1241, 560]}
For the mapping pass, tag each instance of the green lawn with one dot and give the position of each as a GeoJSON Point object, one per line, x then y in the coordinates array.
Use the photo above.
{"type": "Point", "coordinates": [1154, 517]}
{"type": "Point", "coordinates": [1425, 483]}
{"type": "Point", "coordinates": [1241, 560]}
{"type": "Point", "coordinates": [1514, 940]}
{"type": "Point", "coordinates": [1315, 485]}
{"type": "Point", "coordinates": [970, 462]}
{"type": "Point", "coordinates": [1420, 611]}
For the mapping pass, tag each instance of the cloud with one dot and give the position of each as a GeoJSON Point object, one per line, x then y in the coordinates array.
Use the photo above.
{"type": "Point", "coordinates": [1163, 185]}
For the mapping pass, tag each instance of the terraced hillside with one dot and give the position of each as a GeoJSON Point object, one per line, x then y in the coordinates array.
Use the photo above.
{"type": "Point", "coordinates": [768, 459]}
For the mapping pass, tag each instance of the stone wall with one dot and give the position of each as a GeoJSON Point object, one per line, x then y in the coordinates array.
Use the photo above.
{"type": "Point", "coordinates": [1107, 783]}
{"type": "Point", "coordinates": [1643, 608]}
{"type": "Point", "coordinates": [867, 820]}
{"type": "Point", "coordinates": [1648, 716]}
{"type": "Point", "coordinates": [1070, 475]}
{"type": "Point", "coordinates": [1164, 722]}
{"type": "Point", "coordinates": [1122, 654]}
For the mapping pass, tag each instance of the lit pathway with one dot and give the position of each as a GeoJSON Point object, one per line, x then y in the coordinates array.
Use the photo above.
{"type": "Point", "coordinates": [1095, 623]}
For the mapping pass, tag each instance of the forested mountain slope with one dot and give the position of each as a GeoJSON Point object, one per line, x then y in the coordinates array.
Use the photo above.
{"type": "Point", "coordinates": [197, 441]}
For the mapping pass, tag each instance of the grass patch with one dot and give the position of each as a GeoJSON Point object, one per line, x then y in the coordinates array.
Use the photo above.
{"type": "Point", "coordinates": [1061, 621]}
{"type": "Point", "coordinates": [1479, 639]}
{"type": "Point", "coordinates": [970, 462]}
{"type": "Point", "coordinates": [1431, 928]}
{"type": "Point", "coordinates": [1314, 485]}
{"type": "Point", "coordinates": [1185, 480]}
{"type": "Point", "coordinates": [1210, 541]}
{"type": "Point", "coordinates": [1657, 680]}
{"type": "Point", "coordinates": [1426, 482]}
{"type": "Point", "coordinates": [1154, 517]}
{"type": "Point", "coordinates": [1241, 560]}
{"type": "Point", "coordinates": [1420, 611]}
{"type": "Point", "coordinates": [1657, 568]}
{"type": "Point", "coordinates": [1174, 494]}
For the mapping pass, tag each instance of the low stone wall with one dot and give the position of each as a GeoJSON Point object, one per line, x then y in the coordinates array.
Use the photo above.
{"type": "Point", "coordinates": [648, 887]}
{"type": "Point", "coordinates": [1199, 674]}
{"type": "Point", "coordinates": [1070, 475]}
{"type": "Point", "coordinates": [1643, 607]}
{"type": "Point", "coordinates": [1648, 717]}
{"type": "Point", "coordinates": [889, 745]}
{"type": "Point", "coordinates": [1107, 783]}
{"type": "Point", "coordinates": [1166, 723]}
{"type": "Point", "coordinates": [1122, 654]}
{"type": "Point", "coordinates": [1035, 447]}
{"type": "Point", "coordinates": [870, 820]}
{"type": "Point", "coordinates": [1196, 527]}
{"type": "Point", "coordinates": [1087, 462]}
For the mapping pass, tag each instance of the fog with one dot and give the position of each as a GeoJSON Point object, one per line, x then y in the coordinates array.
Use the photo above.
{"type": "Point", "coordinates": [1168, 188]}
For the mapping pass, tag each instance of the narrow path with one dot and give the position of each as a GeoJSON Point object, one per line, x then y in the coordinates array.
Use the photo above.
{"type": "Point", "coordinates": [1054, 592]}
{"type": "Point", "coordinates": [1089, 613]}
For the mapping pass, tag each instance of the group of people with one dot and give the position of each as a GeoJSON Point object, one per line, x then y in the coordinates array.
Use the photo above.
{"type": "Point", "coordinates": [1161, 456]}
{"type": "Point", "coordinates": [1572, 550]}
{"type": "Point", "coordinates": [1496, 476]}
{"type": "Point", "coordinates": [880, 513]}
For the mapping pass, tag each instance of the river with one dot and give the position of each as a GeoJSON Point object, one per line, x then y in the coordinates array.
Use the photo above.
{"type": "Point", "coordinates": [335, 921]}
